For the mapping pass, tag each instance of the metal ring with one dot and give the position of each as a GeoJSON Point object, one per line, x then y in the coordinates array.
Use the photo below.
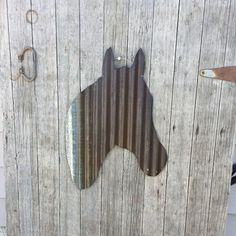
{"type": "Point", "coordinates": [29, 16]}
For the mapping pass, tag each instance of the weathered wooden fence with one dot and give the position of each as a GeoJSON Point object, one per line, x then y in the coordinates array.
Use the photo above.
{"type": "Point", "coordinates": [194, 117]}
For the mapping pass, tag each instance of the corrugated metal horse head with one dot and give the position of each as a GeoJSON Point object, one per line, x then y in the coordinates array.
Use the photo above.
{"type": "Point", "coordinates": [115, 110]}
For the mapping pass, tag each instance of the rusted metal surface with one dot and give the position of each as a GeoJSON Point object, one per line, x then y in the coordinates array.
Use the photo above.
{"type": "Point", "coordinates": [115, 110]}
{"type": "Point", "coordinates": [222, 73]}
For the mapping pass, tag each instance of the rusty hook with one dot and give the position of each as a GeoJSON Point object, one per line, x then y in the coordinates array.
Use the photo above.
{"type": "Point", "coordinates": [22, 69]}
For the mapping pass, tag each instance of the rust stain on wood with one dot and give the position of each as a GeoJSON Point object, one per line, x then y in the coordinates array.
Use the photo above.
{"type": "Point", "coordinates": [115, 110]}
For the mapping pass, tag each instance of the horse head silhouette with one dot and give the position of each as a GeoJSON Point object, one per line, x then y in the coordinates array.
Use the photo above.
{"type": "Point", "coordinates": [115, 110]}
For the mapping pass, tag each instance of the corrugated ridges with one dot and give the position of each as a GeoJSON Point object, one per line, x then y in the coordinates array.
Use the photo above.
{"type": "Point", "coordinates": [117, 110]}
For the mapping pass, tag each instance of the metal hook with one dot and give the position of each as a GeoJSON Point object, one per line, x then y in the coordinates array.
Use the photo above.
{"type": "Point", "coordinates": [22, 69]}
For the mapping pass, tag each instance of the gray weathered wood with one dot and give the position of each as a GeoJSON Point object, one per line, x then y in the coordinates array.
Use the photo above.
{"type": "Point", "coordinates": [46, 105]}
{"type": "Point", "coordinates": [139, 36]}
{"type": "Point", "coordinates": [184, 89]}
{"type": "Point", "coordinates": [68, 50]}
{"type": "Point", "coordinates": [206, 117]}
{"type": "Point", "coordinates": [91, 56]}
{"type": "Point", "coordinates": [115, 35]}
{"type": "Point", "coordinates": [161, 78]}
{"type": "Point", "coordinates": [111, 212]}
{"type": "Point", "coordinates": [12, 199]}
{"type": "Point", "coordinates": [224, 143]}
{"type": "Point", "coordinates": [20, 36]}
{"type": "Point", "coordinates": [194, 117]}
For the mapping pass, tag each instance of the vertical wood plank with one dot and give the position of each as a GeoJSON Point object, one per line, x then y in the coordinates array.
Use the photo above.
{"type": "Point", "coordinates": [184, 90]}
{"type": "Point", "coordinates": [161, 82]}
{"type": "Point", "coordinates": [206, 117]}
{"type": "Point", "coordinates": [72, 37]}
{"type": "Point", "coordinates": [9, 149]}
{"type": "Point", "coordinates": [68, 40]}
{"type": "Point", "coordinates": [139, 36]}
{"type": "Point", "coordinates": [44, 38]}
{"type": "Point", "coordinates": [224, 145]}
{"type": "Point", "coordinates": [91, 54]}
{"type": "Point", "coordinates": [115, 36]}
{"type": "Point", "coordinates": [20, 36]}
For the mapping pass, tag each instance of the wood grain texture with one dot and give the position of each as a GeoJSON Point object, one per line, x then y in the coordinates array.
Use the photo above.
{"type": "Point", "coordinates": [139, 35]}
{"type": "Point", "coordinates": [224, 143]}
{"type": "Point", "coordinates": [91, 57]}
{"type": "Point", "coordinates": [9, 147]}
{"type": "Point", "coordinates": [116, 15]}
{"type": "Point", "coordinates": [206, 117]}
{"type": "Point", "coordinates": [165, 18]}
{"type": "Point", "coordinates": [184, 92]}
{"type": "Point", "coordinates": [46, 91]}
{"type": "Point", "coordinates": [25, 120]}
{"type": "Point", "coordinates": [68, 50]}
{"type": "Point", "coordinates": [70, 38]}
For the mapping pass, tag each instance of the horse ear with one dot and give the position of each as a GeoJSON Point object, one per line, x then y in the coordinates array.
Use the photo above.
{"type": "Point", "coordinates": [139, 62]}
{"type": "Point", "coordinates": [108, 61]}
